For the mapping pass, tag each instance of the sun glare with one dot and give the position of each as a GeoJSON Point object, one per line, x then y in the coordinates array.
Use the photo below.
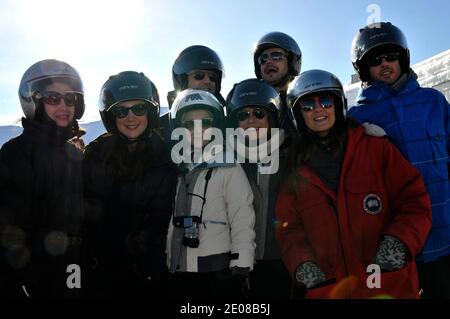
{"type": "Point", "coordinates": [74, 29]}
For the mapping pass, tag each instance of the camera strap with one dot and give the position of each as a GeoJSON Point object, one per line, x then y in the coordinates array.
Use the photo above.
{"type": "Point", "coordinates": [207, 178]}
{"type": "Point", "coordinates": [183, 207]}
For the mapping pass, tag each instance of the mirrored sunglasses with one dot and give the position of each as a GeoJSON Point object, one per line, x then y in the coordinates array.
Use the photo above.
{"type": "Point", "coordinates": [274, 56]}
{"type": "Point", "coordinates": [309, 103]}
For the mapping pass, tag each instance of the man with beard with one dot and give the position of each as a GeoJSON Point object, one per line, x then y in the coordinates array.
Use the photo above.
{"type": "Point", "coordinates": [277, 59]}
{"type": "Point", "coordinates": [416, 120]}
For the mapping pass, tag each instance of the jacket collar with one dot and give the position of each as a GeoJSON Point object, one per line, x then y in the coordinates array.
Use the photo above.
{"type": "Point", "coordinates": [379, 91]}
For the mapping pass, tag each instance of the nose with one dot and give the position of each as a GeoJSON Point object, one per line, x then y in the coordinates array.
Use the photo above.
{"type": "Point", "coordinates": [384, 61]}
{"type": "Point", "coordinates": [317, 105]}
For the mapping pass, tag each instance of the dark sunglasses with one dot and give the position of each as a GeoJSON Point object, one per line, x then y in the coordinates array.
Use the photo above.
{"type": "Point", "coordinates": [200, 75]}
{"type": "Point", "coordinates": [275, 56]}
{"type": "Point", "coordinates": [377, 60]}
{"type": "Point", "coordinates": [137, 109]}
{"type": "Point", "coordinates": [206, 123]}
{"type": "Point", "coordinates": [245, 115]}
{"type": "Point", "coordinates": [54, 98]}
{"type": "Point", "coordinates": [308, 104]}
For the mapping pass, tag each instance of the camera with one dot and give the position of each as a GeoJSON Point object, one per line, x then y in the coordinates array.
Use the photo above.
{"type": "Point", "coordinates": [190, 225]}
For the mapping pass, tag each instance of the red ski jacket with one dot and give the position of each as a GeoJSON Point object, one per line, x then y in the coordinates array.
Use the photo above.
{"type": "Point", "coordinates": [379, 194]}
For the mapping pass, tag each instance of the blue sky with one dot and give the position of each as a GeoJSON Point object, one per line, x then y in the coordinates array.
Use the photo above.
{"type": "Point", "coordinates": [104, 37]}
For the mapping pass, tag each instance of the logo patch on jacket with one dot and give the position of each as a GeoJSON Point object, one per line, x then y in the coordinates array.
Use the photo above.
{"type": "Point", "coordinates": [372, 204]}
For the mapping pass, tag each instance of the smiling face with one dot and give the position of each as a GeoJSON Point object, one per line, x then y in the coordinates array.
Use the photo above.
{"type": "Point", "coordinates": [387, 72]}
{"type": "Point", "coordinates": [321, 118]}
{"type": "Point", "coordinates": [132, 125]}
{"type": "Point", "coordinates": [62, 114]}
{"type": "Point", "coordinates": [273, 71]}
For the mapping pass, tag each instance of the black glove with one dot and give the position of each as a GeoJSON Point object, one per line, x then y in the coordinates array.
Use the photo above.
{"type": "Point", "coordinates": [309, 274]}
{"type": "Point", "coordinates": [241, 280]}
{"type": "Point", "coordinates": [391, 254]}
{"type": "Point", "coordinates": [243, 271]}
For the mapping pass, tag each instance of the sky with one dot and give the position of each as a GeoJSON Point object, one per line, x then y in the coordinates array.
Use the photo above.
{"type": "Point", "coordinates": [103, 37]}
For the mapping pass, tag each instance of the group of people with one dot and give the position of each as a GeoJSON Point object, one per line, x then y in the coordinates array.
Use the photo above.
{"type": "Point", "coordinates": [302, 200]}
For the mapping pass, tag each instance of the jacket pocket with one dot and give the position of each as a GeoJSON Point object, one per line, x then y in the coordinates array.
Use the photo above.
{"type": "Point", "coordinates": [399, 284]}
{"type": "Point", "coordinates": [438, 143]}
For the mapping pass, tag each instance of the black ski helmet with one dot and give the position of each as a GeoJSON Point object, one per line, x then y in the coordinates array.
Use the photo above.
{"type": "Point", "coordinates": [126, 86]}
{"type": "Point", "coordinates": [41, 74]}
{"type": "Point", "coordinates": [312, 82]}
{"type": "Point", "coordinates": [281, 40]}
{"type": "Point", "coordinates": [253, 92]}
{"type": "Point", "coordinates": [196, 57]}
{"type": "Point", "coordinates": [372, 37]}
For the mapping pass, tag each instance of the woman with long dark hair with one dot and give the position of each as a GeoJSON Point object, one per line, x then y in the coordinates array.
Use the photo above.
{"type": "Point", "coordinates": [352, 205]}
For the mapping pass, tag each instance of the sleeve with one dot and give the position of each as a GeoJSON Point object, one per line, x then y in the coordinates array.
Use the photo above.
{"type": "Point", "coordinates": [159, 212]}
{"type": "Point", "coordinates": [16, 184]}
{"type": "Point", "coordinates": [239, 199]}
{"type": "Point", "coordinates": [409, 200]}
{"type": "Point", "coordinates": [290, 233]}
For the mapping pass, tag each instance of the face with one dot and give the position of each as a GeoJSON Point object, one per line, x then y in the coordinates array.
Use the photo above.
{"type": "Point", "coordinates": [132, 125]}
{"type": "Point", "coordinates": [198, 135]}
{"type": "Point", "coordinates": [202, 80]}
{"type": "Point", "coordinates": [273, 71]}
{"type": "Point", "coordinates": [387, 72]}
{"type": "Point", "coordinates": [318, 113]}
{"type": "Point", "coordinates": [253, 117]}
{"type": "Point", "coordinates": [59, 111]}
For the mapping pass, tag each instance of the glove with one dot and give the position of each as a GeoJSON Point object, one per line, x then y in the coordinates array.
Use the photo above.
{"type": "Point", "coordinates": [391, 254]}
{"type": "Point", "coordinates": [373, 130]}
{"type": "Point", "coordinates": [309, 274]}
{"type": "Point", "coordinates": [241, 280]}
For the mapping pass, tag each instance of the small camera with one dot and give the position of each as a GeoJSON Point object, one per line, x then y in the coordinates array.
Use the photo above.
{"type": "Point", "coordinates": [190, 225]}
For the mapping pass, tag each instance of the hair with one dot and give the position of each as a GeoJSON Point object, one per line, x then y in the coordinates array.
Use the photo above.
{"type": "Point", "coordinates": [305, 143]}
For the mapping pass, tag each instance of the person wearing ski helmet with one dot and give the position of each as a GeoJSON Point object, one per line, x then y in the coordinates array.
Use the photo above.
{"type": "Point", "coordinates": [129, 188]}
{"type": "Point", "coordinates": [198, 67]}
{"type": "Point", "coordinates": [277, 59]}
{"type": "Point", "coordinates": [41, 201]}
{"type": "Point", "coordinates": [211, 237]}
{"type": "Point", "coordinates": [254, 104]}
{"type": "Point", "coordinates": [347, 202]}
{"type": "Point", "coordinates": [416, 121]}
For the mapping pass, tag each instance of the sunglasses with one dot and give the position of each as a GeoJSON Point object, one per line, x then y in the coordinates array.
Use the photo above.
{"type": "Point", "coordinates": [245, 115]}
{"type": "Point", "coordinates": [200, 75]}
{"type": "Point", "coordinates": [275, 56]}
{"type": "Point", "coordinates": [377, 60]}
{"type": "Point", "coordinates": [137, 109]}
{"type": "Point", "coordinates": [54, 98]}
{"type": "Point", "coordinates": [205, 123]}
{"type": "Point", "coordinates": [308, 104]}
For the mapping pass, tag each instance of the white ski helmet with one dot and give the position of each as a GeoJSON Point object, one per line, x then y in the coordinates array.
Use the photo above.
{"type": "Point", "coordinates": [39, 76]}
{"type": "Point", "coordinates": [191, 99]}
